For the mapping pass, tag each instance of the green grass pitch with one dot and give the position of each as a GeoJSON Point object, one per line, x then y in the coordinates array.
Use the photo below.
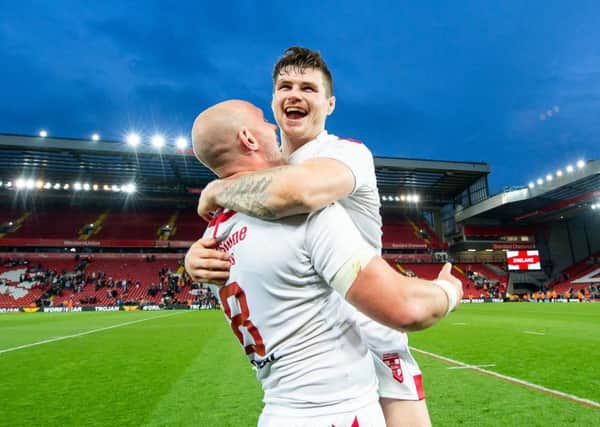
{"type": "Point", "coordinates": [177, 368]}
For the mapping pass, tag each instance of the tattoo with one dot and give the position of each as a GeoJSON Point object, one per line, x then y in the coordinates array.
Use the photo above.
{"type": "Point", "coordinates": [248, 194]}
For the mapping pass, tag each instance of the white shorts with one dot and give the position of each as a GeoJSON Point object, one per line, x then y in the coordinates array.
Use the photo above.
{"type": "Point", "coordinates": [397, 371]}
{"type": "Point", "coordinates": [368, 416]}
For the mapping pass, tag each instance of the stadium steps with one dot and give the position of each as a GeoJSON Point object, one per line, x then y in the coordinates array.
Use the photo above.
{"type": "Point", "coordinates": [417, 232]}
{"type": "Point", "coordinates": [171, 223]}
{"type": "Point", "coordinates": [97, 227]}
{"type": "Point", "coordinates": [18, 223]}
{"type": "Point", "coordinates": [497, 271]}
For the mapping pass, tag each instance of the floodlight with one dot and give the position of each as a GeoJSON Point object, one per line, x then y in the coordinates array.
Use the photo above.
{"type": "Point", "coordinates": [95, 137]}
{"type": "Point", "coordinates": [580, 164]}
{"type": "Point", "coordinates": [181, 143]}
{"type": "Point", "coordinates": [570, 168]}
{"type": "Point", "coordinates": [43, 133]}
{"type": "Point", "coordinates": [158, 141]}
{"type": "Point", "coordinates": [133, 139]}
{"type": "Point", "coordinates": [128, 188]}
{"type": "Point", "coordinates": [531, 185]}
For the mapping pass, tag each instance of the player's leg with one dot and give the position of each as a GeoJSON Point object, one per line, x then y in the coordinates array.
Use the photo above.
{"type": "Point", "coordinates": [400, 382]}
{"type": "Point", "coordinates": [405, 413]}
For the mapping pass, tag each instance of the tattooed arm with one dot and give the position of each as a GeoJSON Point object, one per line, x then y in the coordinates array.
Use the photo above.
{"type": "Point", "coordinates": [282, 191]}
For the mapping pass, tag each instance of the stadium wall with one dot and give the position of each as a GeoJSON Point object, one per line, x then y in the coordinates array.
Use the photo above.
{"type": "Point", "coordinates": [572, 240]}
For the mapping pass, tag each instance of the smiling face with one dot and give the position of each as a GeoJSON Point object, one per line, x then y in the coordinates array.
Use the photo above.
{"type": "Point", "coordinates": [301, 103]}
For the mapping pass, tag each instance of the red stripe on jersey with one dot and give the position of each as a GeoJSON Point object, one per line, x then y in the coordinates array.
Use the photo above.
{"type": "Point", "coordinates": [356, 141]}
{"type": "Point", "coordinates": [219, 219]}
{"type": "Point", "coordinates": [419, 383]}
{"type": "Point", "coordinates": [354, 423]}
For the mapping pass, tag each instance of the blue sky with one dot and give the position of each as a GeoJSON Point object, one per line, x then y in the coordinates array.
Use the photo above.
{"type": "Point", "coordinates": [515, 84]}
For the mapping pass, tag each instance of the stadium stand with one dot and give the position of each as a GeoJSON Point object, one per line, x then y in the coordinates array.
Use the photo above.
{"type": "Point", "coordinates": [99, 279]}
{"type": "Point", "coordinates": [51, 224]}
{"type": "Point", "coordinates": [71, 195]}
{"type": "Point", "coordinates": [579, 276]}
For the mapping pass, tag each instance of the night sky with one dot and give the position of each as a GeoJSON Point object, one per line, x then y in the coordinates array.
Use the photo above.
{"type": "Point", "coordinates": [515, 84]}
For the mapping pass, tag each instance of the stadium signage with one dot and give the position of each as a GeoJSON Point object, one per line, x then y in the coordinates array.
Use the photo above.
{"type": "Point", "coordinates": [151, 308]}
{"type": "Point", "coordinates": [408, 246]}
{"type": "Point", "coordinates": [61, 309]}
{"type": "Point", "coordinates": [10, 310]}
{"type": "Point", "coordinates": [105, 308]}
{"type": "Point", "coordinates": [523, 260]}
{"type": "Point", "coordinates": [512, 246]}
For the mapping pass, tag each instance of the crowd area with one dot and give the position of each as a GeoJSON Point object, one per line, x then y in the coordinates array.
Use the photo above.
{"type": "Point", "coordinates": [177, 288]}
{"type": "Point", "coordinates": [493, 288]}
{"type": "Point", "coordinates": [170, 288]}
{"type": "Point", "coordinates": [588, 293]}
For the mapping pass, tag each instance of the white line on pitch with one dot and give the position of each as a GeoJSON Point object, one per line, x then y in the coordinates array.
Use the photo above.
{"type": "Point", "coordinates": [534, 333]}
{"type": "Point", "coordinates": [488, 365]}
{"type": "Point", "coordinates": [571, 397]}
{"type": "Point", "coordinates": [460, 324]}
{"type": "Point", "coordinates": [6, 350]}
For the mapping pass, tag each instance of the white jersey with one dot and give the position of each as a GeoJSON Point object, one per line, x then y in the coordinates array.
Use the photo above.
{"type": "Point", "coordinates": [399, 375]}
{"type": "Point", "coordinates": [363, 204]}
{"type": "Point", "coordinates": [297, 333]}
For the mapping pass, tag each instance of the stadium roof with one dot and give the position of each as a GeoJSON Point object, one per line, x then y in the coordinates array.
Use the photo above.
{"type": "Point", "coordinates": [560, 197]}
{"type": "Point", "coordinates": [174, 171]}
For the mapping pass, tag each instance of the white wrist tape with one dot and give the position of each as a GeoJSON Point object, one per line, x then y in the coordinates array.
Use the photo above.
{"type": "Point", "coordinates": [346, 275]}
{"type": "Point", "coordinates": [450, 291]}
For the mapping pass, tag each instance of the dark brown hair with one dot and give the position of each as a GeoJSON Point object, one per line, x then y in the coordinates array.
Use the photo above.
{"type": "Point", "coordinates": [299, 58]}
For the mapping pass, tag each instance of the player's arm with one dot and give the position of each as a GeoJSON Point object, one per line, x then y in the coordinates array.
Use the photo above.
{"type": "Point", "coordinates": [282, 191]}
{"type": "Point", "coordinates": [340, 255]}
{"type": "Point", "coordinates": [400, 302]}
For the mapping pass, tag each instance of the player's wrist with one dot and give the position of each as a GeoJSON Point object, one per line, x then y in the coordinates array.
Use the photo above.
{"type": "Point", "coordinates": [451, 293]}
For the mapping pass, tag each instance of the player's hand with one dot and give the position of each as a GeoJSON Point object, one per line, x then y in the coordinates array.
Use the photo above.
{"type": "Point", "coordinates": [207, 204]}
{"type": "Point", "coordinates": [204, 263]}
{"type": "Point", "coordinates": [446, 274]}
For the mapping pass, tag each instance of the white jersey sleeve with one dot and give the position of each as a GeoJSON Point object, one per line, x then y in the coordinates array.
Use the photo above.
{"type": "Point", "coordinates": [363, 204]}
{"type": "Point", "coordinates": [356, 157]}
{"type": "Point", "coordinates": [332, 239]}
